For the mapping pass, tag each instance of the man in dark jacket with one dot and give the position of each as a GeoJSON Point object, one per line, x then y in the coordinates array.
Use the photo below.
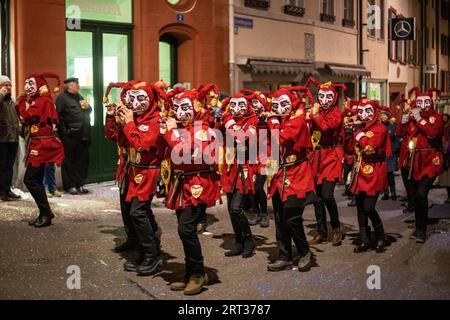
{"type": "Point", "coordinates": [74, 130]}
{"type": "Point", "coordinates": [9, 139]}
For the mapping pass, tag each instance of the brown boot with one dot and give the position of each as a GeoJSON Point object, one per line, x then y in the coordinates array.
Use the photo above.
{"type": "Point", "coordinates": [317, 240]}
{"type": "Point", "coordinates": [337, 237]}
{"type": "Point", "coordinates": [179, 286]}
{"type": "Point", "coordinates": [195, 285]}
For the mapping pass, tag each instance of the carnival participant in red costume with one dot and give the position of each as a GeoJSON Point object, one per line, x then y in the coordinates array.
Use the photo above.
{"type": "Point", "coordinates": [328, 135]}
{"type": "Point", "coordinates": [37, 112]}
{"type": "Point", "coordinates": [138, 118]}
{"type": "Point", "coordinates": [240, 169]}
{"type": "Point", "coordinates": [114, 132]}
{"type": "Point", "coordinates": [293, 182]}
{"type": "Point", "coordinates": [371, 144]}
{"type": "Point", "coordinates": [422, 129]}
{"type": "Point", "coordinates": [194, 183]}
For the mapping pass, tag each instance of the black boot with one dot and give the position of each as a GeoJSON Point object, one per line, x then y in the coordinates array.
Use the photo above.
{"type": "Point", "coordinates": [385, 196]}
{"type": "Point", "coordinates": [150, 266]}
{"type": "Point", "coordinates": [131, 266]}
{"type": "Point", "coordinates": [394, 196]}
{"type": "Point", "coordinates": [237, 250]}
{"type": "Point", "coordinates": [365, 242]}
{"type": "Point", "coordinates": [381, 238]}
{"type": "Point", "coordinates": [43, 221]}
{"type": "Point", "coordinates": [265, 222]}
{"type": "Point", "coordinates": [249, 247]}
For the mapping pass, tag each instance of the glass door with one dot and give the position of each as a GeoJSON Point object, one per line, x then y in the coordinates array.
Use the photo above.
{"type": "Point", "coordinates": [98, 55]}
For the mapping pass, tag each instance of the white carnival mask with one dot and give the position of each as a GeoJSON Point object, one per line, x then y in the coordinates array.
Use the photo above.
{"type": "Point", "coordinates": [139, 101]}
{"type": "Point", "coordinates": [366, 113]}
{"type": "Point", "coordinates": [238, 107]}
{"type": "Point", "coordinates": [424, 103]}
{"type": "Point", "coordinates": [31, 86]}
{"type": "Point", "coordinates": [184, 110]}
{"type": "Point", "coordinates": [326, 98]}
{"type": "Point", "coordinates": [282, 105]}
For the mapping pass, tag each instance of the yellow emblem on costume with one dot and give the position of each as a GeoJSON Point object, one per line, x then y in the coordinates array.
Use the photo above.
{"type": "Point", "coordinates": [370, 134]}
{"type": "Point", "coordinates": [291, 159]}
{"type": "Point", "coordinates": [139, 178]}
{"type": "Point", "coordinates": [369, 150]}
{"type": "Point", "coordinates": [166, 173]}
{"type": "Point", "coordinates": [437, 161]}
{"type": "Point", "coordinates": [368, 170]}
{"type": "Point", "coordinates": [316, 136]}
{"type": "Point", "coordinates": [229, 157]}
{"type": "Point", "coordinates": [34, 129]}
{"type": "Point", "coordinates": [196, 191]}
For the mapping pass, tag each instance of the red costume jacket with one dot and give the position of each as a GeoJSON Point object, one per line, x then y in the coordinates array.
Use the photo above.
{"type": "Point", "coordinates": [195, 181]}
{"type": "Point", "coordinates": [373, 146]}
{"type": "Point", "coordinates": [114, 132]}
{"type": "Point", "coordinates": [145, 152]}
{"type": "Point", "coordinates": [38, 114]}
{"type": "Point", "coordinates": [295, 175]}
{"type": "Point", "coordinates": [421, 146]}
{"type": "Point", "coordinates": [240, 176]}
{"type": "Point", "coordinates": [328, 156]}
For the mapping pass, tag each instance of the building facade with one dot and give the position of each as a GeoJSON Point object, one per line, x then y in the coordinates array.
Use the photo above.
{"type": "Point", "coordinates": [103, 41]}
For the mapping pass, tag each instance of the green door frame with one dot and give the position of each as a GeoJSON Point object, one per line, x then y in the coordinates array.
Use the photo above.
{"type": "Point", "coordinates": [104, 151]}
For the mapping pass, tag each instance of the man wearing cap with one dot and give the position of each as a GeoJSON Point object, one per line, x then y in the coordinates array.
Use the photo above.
{"type": "Point", "coordinates": [9, 139]}
{"type": "Point", "coordinates": [74, 129]}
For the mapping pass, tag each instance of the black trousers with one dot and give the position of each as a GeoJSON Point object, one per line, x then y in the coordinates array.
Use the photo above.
{"type": "Point", "coordinates": [187, 230]}
{"type": "Point", "coordinates": [391, 181]}
{"type": "Point", "coordinates": [289, 226]}
{"type": "Point", "coordinates": [325, 199]}
{"type": "Point", "coordinates": [76, 163]}
{"type": "Point", "coordinates": [259, 199]}
{"type": "Point", "coordinates": [125, 208]}
{"type": "Point", "coordinates": [239, 221]}
{"type": "Point", "coordinates": [8, 153]}
{"type": "Point", "coordinates": [421, 189]}
{"type": "Point", "coordinates": [366, 208]}
{"type": "Point", "coordinates": [33, 180]}
{"type": "Point", "coordinates": [347, 170]}
{"type": "Point", "coordinates": [203, 217]}
{"type": "Point", "coordinates": [145, 225]}
{"type": "Point", "coordinates": [409, 186]}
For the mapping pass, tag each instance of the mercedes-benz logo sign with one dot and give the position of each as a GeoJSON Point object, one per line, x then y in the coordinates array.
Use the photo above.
{"type": "Point", "coordinates": [402, 29]}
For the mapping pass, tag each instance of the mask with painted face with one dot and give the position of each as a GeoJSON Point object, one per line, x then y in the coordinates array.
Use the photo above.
{"type": "Point", "coordinates": [184, 110]}
{"type": "Point", "coordinates": [326, 98]}
{"type": "Point", "coordinates": [282, 105]}
{"type": "Point", "coordinates": [30, 86]}
{"type": "Point", "coordinates": [139, 101]}
{"type": "Point", "coordinates": [366, 113]}
{"type": "Point", "coordinates": [424, 103]}
{"type": "Point", "coordinates": [238, 107]}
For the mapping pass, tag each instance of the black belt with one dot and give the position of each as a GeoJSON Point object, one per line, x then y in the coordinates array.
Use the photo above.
{"type": "Point", "coordinates": [426, 149]}
{"type": "Point", "coordinates": [43, 137]}
{"type": "Point", "coordinates": [286, 166]}
{"type": "Point", "coordinates": [329, 147]}
{"type": "Point", "coordinates": [139, 166]}
{"type": "Point", "coordinates": [374, 160]}
{"type": "Point", "coordinates": [179, 177]}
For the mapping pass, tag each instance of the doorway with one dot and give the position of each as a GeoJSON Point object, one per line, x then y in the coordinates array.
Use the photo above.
{"type": "Point", "coordinates": [168, 59]}
{"type": "Point", "coordinates": [98, 55]}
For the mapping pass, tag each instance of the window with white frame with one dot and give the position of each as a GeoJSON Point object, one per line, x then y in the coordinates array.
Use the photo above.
{"type": "Point", "coordinates": [349, 13]}
{"type": "Point", "coordinates": [328, 7]}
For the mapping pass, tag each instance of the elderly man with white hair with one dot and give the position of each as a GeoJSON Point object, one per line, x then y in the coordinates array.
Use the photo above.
{"type": "Point", "coordinates": [9, 139]}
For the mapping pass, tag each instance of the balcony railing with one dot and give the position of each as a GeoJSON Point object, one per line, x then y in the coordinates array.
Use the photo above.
{"type": "Point", "coordinates": [349, 23]}
{"type": "Point", "coordinates": [327, 18]}
{"type": "Point", "coordinates": [258, 4]}
{"type": "Point", "coordinates": [294, 10]}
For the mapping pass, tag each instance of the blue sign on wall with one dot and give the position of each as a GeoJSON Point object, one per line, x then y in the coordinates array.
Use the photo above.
{"type": "Point", "coordinates": [180, 17]}
{"type": "Point", "coordinates": [243, 22]}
